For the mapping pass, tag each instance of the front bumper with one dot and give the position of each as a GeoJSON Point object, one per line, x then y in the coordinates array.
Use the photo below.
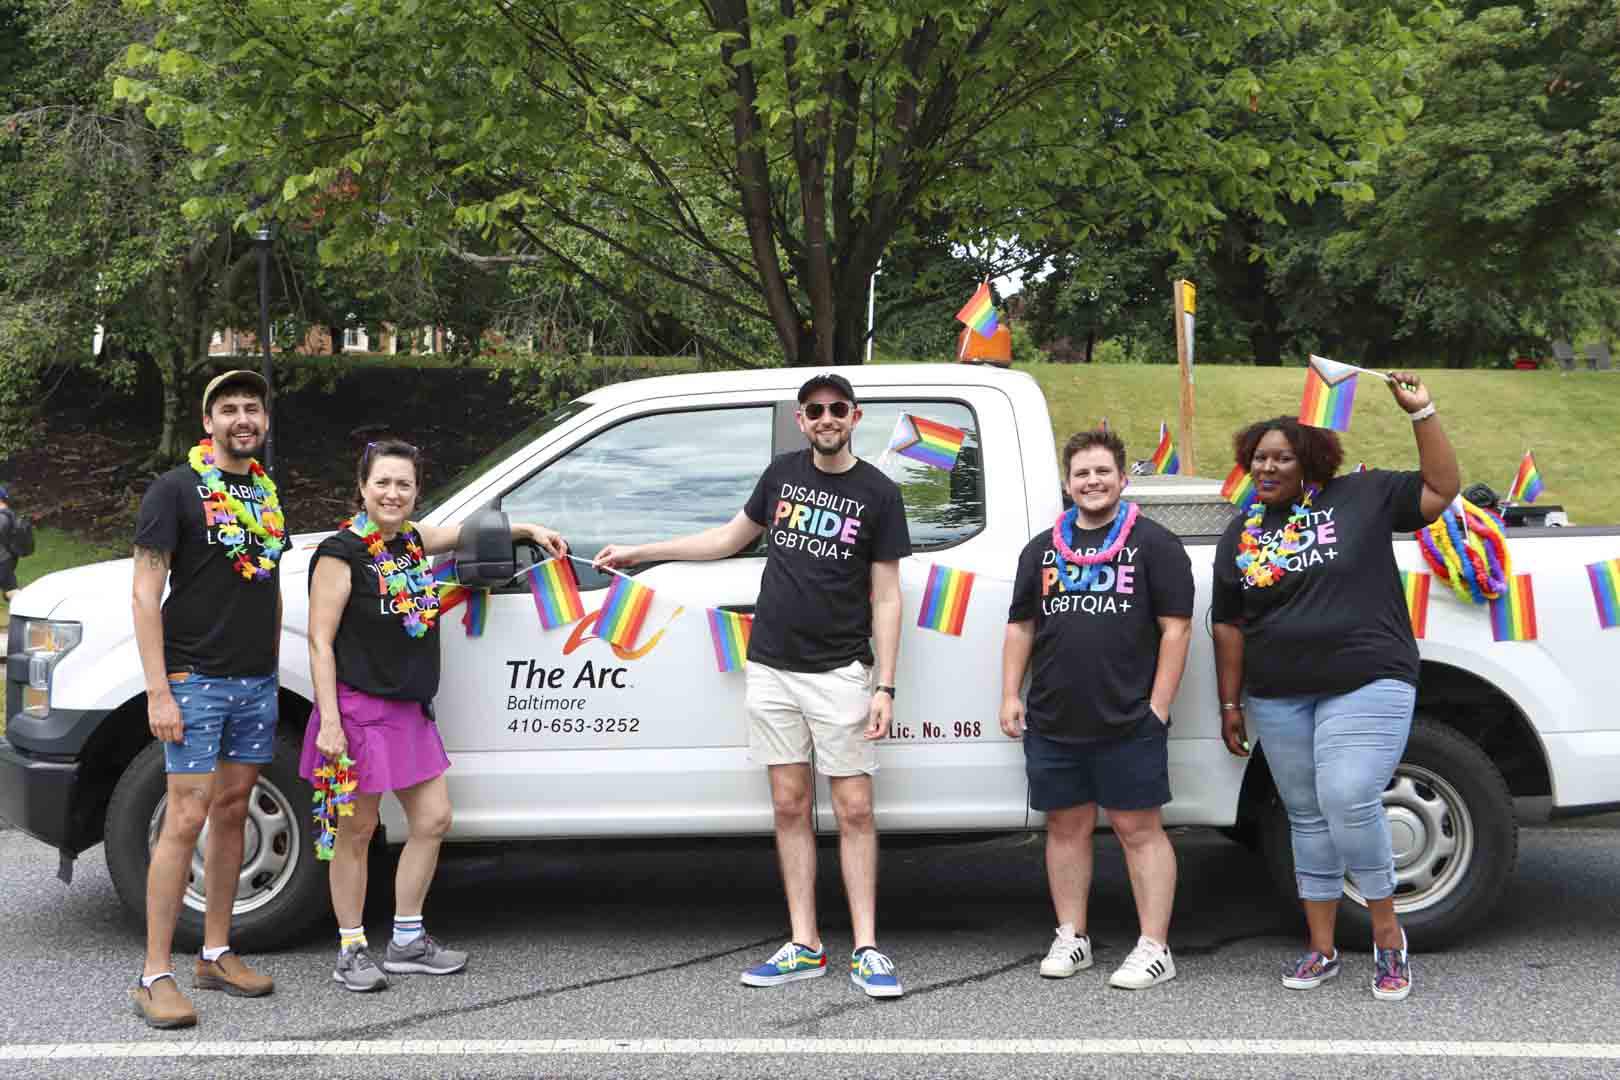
{"type": "Point", "coordinates": [37, 796]}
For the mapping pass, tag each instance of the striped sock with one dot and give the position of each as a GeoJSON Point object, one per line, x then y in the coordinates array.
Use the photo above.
{"type": "Point", "coordinates": [351, 937]}
{"type": "Point", "coordinates": [407, 928]}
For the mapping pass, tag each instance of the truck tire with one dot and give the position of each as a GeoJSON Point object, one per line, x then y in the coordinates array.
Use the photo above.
{"type": "Point", "coordinates": [283, 890]}
{"type": "Point", "coordinates": [1454, 833]}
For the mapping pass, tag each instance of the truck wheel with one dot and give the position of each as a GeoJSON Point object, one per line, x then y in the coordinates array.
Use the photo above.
{"type": "Point", "coordinates": [281, 891]}
{"type": "Point", "coordinates": [1454, 835]}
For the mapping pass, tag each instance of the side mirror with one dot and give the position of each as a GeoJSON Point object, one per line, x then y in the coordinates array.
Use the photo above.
{"type": "Point", "coordinates": [484, 558]}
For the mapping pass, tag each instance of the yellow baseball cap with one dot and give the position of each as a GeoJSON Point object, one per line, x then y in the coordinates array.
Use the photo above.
{"type": "Point", "coordinates": [240, 379]}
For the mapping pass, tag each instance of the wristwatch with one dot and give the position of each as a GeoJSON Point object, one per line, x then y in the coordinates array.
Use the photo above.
{"type": "Point", "coordinates": [881, 689]}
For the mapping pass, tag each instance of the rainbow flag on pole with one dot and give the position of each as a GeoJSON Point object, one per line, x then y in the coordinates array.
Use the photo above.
{"type": "Point", "coordinates": [451, 592]}
{"type": "Point", "coordinates": [477, 613]}
{"type": "Point", "coordinates": [1330, 394]}
{"type": "Point", "coordinates": [623, 612]}
{"type": "Point", "coordinates": [1527, 486]}
{"type": "Point", "coordinates": [1361, 466]}
{"type": "Point", "coordinates": [979, 313]}
{"type": "Point", "coordinates": [945, 600]}
{"type": "Point", "coordinates": [1165, 460]}
{"type": "Point", "coordinates": [556, 592]}
{"type": "Point", "coordinates": [927, 441]}
{"type": "Point", "coordinates": [729, 631]}
{"type": "Point", "coordinates": [1513, 614]}
{"type": "Point", "coordinates": [1416, 586]}
{"type": "Point", "coordinates": [1605, 578]}
{"type": "Point", "coordinates": [1238, 487]}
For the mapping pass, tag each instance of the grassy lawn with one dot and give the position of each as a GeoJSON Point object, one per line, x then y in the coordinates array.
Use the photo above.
{"type": "Point", "coordinates": [56, 549]}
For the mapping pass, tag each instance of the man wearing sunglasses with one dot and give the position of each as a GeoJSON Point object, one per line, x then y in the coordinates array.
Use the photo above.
{"type": "Point", "coordinates": [835, 532]}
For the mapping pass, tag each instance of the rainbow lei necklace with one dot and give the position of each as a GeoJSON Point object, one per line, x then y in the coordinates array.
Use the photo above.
{"type": "Point", "coordinates": [1262, 565]}
{"type": "Point", "coordinates": [1063, 535]}
{"type": "Point", "coordinates": [409, 580]}
{"type": "Point", "coordinates": [1471, 556]}
{"type": "Point", "coordinates": [235, 520]}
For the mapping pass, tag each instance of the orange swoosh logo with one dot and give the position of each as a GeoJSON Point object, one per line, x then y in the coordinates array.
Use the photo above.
{"type": "Point", "coordinates": [580, 636]}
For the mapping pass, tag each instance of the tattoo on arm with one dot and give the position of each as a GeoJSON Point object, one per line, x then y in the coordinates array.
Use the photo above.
{"type": "Point", "coordinates": [152, 558]}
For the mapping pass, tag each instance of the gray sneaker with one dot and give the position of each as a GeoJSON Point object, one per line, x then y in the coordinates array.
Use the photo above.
{"type": "Point", "coordinates": [424, 956]}
{"type": "Point", "coordinates": [358, 972]}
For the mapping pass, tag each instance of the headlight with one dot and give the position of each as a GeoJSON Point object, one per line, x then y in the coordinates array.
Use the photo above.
{"type": "Point", "coordinates": [44, 643]}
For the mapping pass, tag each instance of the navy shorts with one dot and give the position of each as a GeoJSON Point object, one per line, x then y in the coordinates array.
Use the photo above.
{"type": "Point", "coordinates": [224, 716]}
{"type": "Point", "coordinates": [1131, 772]}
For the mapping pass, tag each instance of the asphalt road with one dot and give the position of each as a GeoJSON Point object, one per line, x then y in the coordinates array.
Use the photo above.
{"type": "Point", "coordinates": [645, 945]}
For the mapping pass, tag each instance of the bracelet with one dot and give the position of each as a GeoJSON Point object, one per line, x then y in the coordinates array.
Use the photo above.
{"type": "Point", "coordinates": [1230, 706]}
{"type": "Point", "coordinates": [1423, 413]}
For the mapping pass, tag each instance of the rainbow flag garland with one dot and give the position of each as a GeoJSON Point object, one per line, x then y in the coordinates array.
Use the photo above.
{"type": "Point", "coordinates": [979, 313]}
{"type": "Point", "coordinates": [1330, 394]}
{"type": "Point", "coordinates": [556, 592]}
{"type": "Point", "coordinates": [945, 600]}
{"type": "Point", "coordinates": [1527, 486]}
{"type": "Point", "coordinates": [729, 631]}
{"type": "Point", "coordinates": [1513, 616]}
{"type": "Point", "coordinates": [1165, 461]}
{"type": "Point", "coordinates": [1416, 586]}
{"type": "Point", "coordinates": [1238, 487]}
{"type": "Point", "coordinates": [1605, 578]}
{"type": "Point", "coordinates": [927, 441]}
{"type": "Point", "coordinates": [623, 612]}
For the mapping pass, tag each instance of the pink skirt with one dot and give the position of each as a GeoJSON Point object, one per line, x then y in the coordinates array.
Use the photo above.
{"type": "Point", "coordinates": [394, 744]}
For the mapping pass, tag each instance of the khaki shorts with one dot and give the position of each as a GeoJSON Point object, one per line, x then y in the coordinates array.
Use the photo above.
{"type": "Point", "coordinates": [791, 712]}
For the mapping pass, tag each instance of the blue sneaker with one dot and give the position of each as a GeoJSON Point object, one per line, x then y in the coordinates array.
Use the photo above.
{"type": "Point", "coordinates": [788, 964]}
{"type": "Point", "coordinates": [873, 972]}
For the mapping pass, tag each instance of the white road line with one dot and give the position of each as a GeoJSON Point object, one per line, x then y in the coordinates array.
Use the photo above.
{"type": "Point", "coordinates": [798, 1047]}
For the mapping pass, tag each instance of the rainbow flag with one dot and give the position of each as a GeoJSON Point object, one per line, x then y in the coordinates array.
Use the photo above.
{"type": "Point", "coordinates": [556, 592]}
{"type": "Point", "coordinates": [623, 612]}
{"type": "Point", "coordinates": [945, 600]}
{"type": "Point", "coordinates": [1330, 394]}
{"type": "Point", "coordinates": [1606, 591]}
{"type": "Point", "coordinates": [1416, 586]}
{"type": "Point", "coordinates": [1361, 466]}
{"type": "Point", "coordinates": [1513, 615]}
{"type": "Point", "coordinates": [979, 313]}
{"type": "Point", "coordinates": [477, 613]}
{"type": "Point", "coordinates": [729, 631]}
{"type": "Point", "coordinates": [1102, 424]}
{"type": "Point", "coordinates": [1527, 486]}
{"type": "Point", "coordinates": [927, 441]}
{"type": "Point", "coordinates": [1238, 487]}
{"type": "Point", "coordinates": [1165, 460]}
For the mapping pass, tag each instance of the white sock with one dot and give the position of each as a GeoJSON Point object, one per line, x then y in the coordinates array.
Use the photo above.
{"type": "Point", "coordinates": [407, 928]}
{"type": "Point", "coordinates": [148, 980]}
{"type": "Point", "coordinates": [211, 955]}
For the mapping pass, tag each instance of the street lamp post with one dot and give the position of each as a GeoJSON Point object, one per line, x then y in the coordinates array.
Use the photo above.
{"type": "Point", "coordinates": [261, 241]}
{"type": "Point", "coordinates": [871, 307]}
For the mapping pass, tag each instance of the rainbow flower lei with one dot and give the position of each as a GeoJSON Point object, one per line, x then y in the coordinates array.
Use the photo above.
{"type": "Point", "coordinates": [334, 785]}
{"type": "Point", "coordinates": [235, 520]}
{"type": "Point", "coordinates": [1063, 535]}
{"type": "Point", "coordinates": [1470, 556]}
{"type": "Point", "coordinates": [409, 580]}
{"type": "Point", "coordinates": [1262, 565]}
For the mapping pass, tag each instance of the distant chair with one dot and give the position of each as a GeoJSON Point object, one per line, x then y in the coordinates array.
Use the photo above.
{"type": "Point", "coordinates": [1597, 357]}
{"type": "Point", "coordinates": [1564, 353]}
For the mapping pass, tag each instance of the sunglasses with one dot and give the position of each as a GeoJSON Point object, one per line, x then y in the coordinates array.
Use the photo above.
{"type": "Point", "coordinates": [814, 409]}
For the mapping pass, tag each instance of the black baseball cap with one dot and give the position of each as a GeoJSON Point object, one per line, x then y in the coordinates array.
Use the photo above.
{"type": "Point", "coordinates": [827, 381]}
{"type": "Point", "coordinates": [240, 379]}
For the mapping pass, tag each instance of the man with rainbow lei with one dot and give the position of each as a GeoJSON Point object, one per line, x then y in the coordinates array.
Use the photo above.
{"type": "Point", "coordinates": [1313, 640]}
{"type": "Point", "coordinates": [212, 531]}
{"type": "Point", "coordinates": [1102, 604]}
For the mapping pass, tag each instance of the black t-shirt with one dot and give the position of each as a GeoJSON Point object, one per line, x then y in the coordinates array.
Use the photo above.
{"type": "Point", "coordinates": [215, 621]}
{"type": "Point", "coordinates": [374, 653]}
{"type": "Point", "coordinates": [823, 532]}
{"type": "Point", "coordinates": [7, 521]}
{"type": "Point", "coordinates": [1337, 619]}
{"type": "Point", "coordinates": [1096, 652]}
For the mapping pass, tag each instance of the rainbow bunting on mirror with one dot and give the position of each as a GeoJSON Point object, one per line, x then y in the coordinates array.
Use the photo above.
{"type": "Point", "coordinates": [1415, 584]}
{"type": "Point", "coordinates": [1238, 487]}
{"type": "Point", "coordinates": [1605, 577]}
{"type": "Point", "coordinates": [729, 631]}
{"type": "Point", "coordinates": [945, 600]}
{"type": "Point", "coordinates": [623, 612]}
{"type": "Point", "coordinates": [556, 592]}
{"type": "Point", "coordinates": [1165, 460]}
{"type": "Point", "coordinates": [1513, 615]}
{"type": "Point", "coordinates": [979, 313]}
{"type": "Point", "coordinates": [1330, 394]}
{"type": "Point", "coordinates": [1527, 486]}
{"type": "Point", "coordinates": [927, 441]}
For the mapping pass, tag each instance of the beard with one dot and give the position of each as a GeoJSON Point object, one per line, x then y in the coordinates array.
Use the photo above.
{"type": "Point", "coordinates": [829, 445]}
{"type": "Point", "coordinates": [253, 448]}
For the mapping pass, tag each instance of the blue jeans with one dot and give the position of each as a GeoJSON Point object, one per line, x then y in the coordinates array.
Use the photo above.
{"type": "Point", "coordinates": [1331, 758]}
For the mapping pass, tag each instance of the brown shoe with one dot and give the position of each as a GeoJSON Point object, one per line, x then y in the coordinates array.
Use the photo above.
{"type": "Point", "coordinates": [231, 975]}
{"type": "Point", "coordinates": [163, 1005]}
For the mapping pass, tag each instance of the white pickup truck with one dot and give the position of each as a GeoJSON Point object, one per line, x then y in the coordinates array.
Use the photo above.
{"type": "Point", "coordinates": [558, 734]}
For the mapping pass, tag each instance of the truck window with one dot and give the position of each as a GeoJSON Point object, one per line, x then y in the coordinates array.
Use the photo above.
{"type": "Point", "coordinates": [649, 478]}
{"type": "Point", "coordinates": [942, 508]}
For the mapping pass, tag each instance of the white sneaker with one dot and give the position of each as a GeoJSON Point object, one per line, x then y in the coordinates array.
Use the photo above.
{"type": "Point", "coordinates": [1067, 955]}
{"type": "Point", "coordinates": [1148, 965]}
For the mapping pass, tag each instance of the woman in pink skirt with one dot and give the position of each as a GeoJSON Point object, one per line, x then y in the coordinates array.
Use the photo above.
{"type": "Point", "coordinates": [375, 663]}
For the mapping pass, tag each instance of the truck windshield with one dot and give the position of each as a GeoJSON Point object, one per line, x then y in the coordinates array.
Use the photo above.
{"type": "Point", "coordinates": [551, 420]}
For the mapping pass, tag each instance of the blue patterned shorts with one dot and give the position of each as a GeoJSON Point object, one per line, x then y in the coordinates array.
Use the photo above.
{"type": "Point", "coordinates": [223, 716]}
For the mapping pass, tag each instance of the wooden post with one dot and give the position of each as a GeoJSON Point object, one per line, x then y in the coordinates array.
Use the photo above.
{"type": "Point", "coordinates": [1185, 306]}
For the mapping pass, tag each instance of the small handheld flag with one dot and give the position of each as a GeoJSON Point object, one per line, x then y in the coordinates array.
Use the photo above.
{"type": "Point", "coordinates": [623, 612]}
{"type": "Point", "coordinates": [1238, 487]}
{"type": "Point", "coordinates": [945, 600]}
{"type": "Point", "coordinates": [1102, 424]}
{"type": "Point", "coordinates": [556, 592]}
{"type": "Point", "coordinates": [979, 313]}
{"type": "Point", "coordinates": [1361, 466]}
{"type": "Point", "coordinates": [1605, 577]}
{"type": "Point", "coordinates": [927, 441]}
{"type": "Point", "coordinates": [729, 631]}
{"type": "Point", "coordinates": [1513, 616]}
{"type": "Point", "coordinates": [477, 613]}
{"type": "Point", "coordinates": [1527, 486]}
{"type": "Point", "coordinates": [1165, 460]}
{"type": "Point", "coordinates": [1416, 586]}
{"type": "Point", "coordinates": [1330, 394]}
